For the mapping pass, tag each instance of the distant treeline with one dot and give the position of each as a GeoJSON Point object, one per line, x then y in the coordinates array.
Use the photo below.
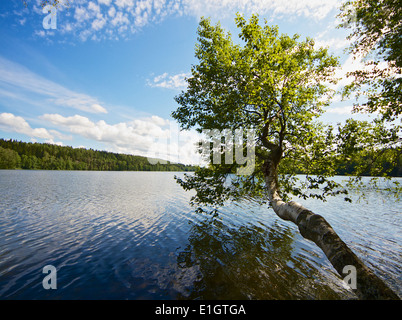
{"type": "Point", "coordinates": [42, 156]}
{"type": "Point", "coordinates": [385, 163]}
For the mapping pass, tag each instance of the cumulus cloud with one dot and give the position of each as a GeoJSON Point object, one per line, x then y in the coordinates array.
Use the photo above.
{"type": "Point", "coordinates": [152, 137]}
{"type": "Point", "coordinates": [341, 110]}
{"type": "Point", "coordinates": [119, 19]}
{"type": "Point", "coordinates": [81, 14]}
{"type": "Point", "coordinates": [177, 81]}
{"type": "Point", "coordinates": [105, 2]}
{"type": "Point", "coordinates": [125, 3]}
{"type": "Point", "coordinates": [111, 12]}
{"type": "Point", "coordinates": [115, 19]}
{"type": "Point", "coordinates": [51, 141]}
{"type": "Point", "coordinates": [11, 123]}
{"type": "Point", "coordinates": [93, 7]}
{"type": "Point", "coordinates": [99, 23]}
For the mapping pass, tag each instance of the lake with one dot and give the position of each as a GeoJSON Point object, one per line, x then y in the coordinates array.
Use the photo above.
{"type": "Point", "coordinates": [133, 235]}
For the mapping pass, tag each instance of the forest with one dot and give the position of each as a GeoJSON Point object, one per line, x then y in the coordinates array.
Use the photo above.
{"type": "Point", "coordinates": [42, 156]}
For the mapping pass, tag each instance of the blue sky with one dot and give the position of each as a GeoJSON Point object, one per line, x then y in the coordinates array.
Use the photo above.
{"type": "Point", "coordinates": [106, 76]}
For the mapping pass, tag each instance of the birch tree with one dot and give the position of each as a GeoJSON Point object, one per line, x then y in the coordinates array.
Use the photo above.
{"type": "Point", "coordinates": [278, 86]}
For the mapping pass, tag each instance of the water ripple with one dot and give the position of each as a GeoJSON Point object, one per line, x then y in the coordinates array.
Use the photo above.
{"type": "Point", "coordinates": [132, 235]}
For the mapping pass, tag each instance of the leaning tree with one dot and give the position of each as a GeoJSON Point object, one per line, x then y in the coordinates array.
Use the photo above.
{"type": "Point", "coordinates": [275, 86]}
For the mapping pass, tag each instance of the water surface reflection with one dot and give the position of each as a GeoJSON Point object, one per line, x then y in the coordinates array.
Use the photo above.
{"type": "Point", "coordinates": [133, 235]}
{"type": "Point", "coordinates": [252, 262]}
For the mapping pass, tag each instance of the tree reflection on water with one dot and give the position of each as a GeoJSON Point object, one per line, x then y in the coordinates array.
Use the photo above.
{"type": "Point", "coordinates": [251, 262]}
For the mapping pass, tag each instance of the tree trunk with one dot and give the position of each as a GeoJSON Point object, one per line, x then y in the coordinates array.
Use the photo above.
{"type": "Point", "coordinates": [315, 228]}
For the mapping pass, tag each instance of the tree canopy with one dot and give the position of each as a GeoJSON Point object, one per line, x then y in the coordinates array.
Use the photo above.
{"type": "Point", "coordinates": [271, 83]}
{"type": "Point", "coordinates": [277, 85]}
{"type": "Point", "coordinates": [376, 38]}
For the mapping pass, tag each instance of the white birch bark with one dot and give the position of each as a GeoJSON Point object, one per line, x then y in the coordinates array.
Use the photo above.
{"type": "Point", "coordinates": [315, 228]}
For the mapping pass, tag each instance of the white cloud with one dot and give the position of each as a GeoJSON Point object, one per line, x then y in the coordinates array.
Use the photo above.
{"type": "Point", "coordinates": [40, 33]}
{"type": "Point", "coordinates": [307, 8]}
{"type": "Point", "coordinates": [93, 7]}
{"type": "Point", "coordinates": [67, 27]}
{"type": "Point", "coordinates": [125, 3]}
{"type": "Point", "coordinates": [51, 141]}
{"type": "Point", "coordinates": [164, 80]}
{"type": "Point", "coordinates": [341, 110]}
{"type": "Point", "coordinates": [153, 137]}
{"type": "Point", "coordinates": [60, 135]}
{"type": "Point", "coordinates": [332, 43]}
{"type": "Point", "coordinates": [81, 15]}
{"type": "Point", "coordinates": [112, 12]}
{"type": "Point", "coordinates": [99, 23]}
{"type": "Point", "coordinates": [10, 122]}
{"type": "Point", "coordinates": [159, 121]}
{"type": "Point", "coordinates": [86, 21]}
{"type": "Point", "coordinates": [105, 2]}
{"type": "Point", "coordinates": [137, 133]}
{"type": "Point", "coordinates": [119, 19]}
{"type": "Point", "coordinates": [351, 64]}
{"type": "Point", "coordinates": [20, 81]}
{"type": "Point", "coordinates": [332, 37]}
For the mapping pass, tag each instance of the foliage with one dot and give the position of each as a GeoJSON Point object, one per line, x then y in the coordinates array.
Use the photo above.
{"type": "Point", "coordinates": [278, 86]}
{"type": "Point", "coordinates": [377, 36]}
{"type": "Point", "coordinates": [14, 154]}
{"type": "Point", "coordinates": [371, 148]}
{"type": "Point", "coordinates": [9, 159]}
{"type": "Point", "coordinates": [271, 83]}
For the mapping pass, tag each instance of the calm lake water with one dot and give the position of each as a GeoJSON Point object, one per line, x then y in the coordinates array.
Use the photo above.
{"type": "Point", "coordinates": [133, 235]}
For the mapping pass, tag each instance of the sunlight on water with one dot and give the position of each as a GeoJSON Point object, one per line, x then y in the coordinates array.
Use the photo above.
{"type": "Point", "coordinates": [133, 235]}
